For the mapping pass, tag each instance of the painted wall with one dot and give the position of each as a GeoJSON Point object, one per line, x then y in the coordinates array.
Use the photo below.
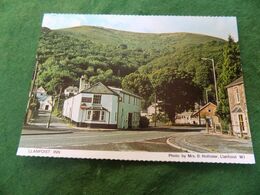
{"type": "Point", "coordinates": [109, 102]}
{"type": "Point", "coordinates": [46, 104]}
{"type": "Point", "coordinates": [72, 110]}
{"type": "Point", "coordinates": [237, 99]}
{"type": "Point", "coordinates": [126, 106]}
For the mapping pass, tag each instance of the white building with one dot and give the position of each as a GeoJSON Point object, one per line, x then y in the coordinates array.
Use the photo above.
{"type": "Point", "coordinates": [70, 91]}
{"type": "Point", "coordinates": [44, 99]}
{"type": "Point", "coordinates": [103, 106]}
{"type": "Point", "coordinates": [186, 118]}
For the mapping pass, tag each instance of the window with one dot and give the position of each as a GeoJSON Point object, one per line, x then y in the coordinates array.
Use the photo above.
{"type": "Point", "coordinates": [102, 116]}
{"type": "Point", "coordinates": [129, 99]}
{"type": "Point", "coordinates": [86, 99]}
{"type": "Point", "coordinates": [97, 99]}
{"type": "Point", "coordinates": [241, 122]}
{"type": "Point", "coordinates": [95, 115]}
{"type": "Point", "coordinates": [89, 115]}
{"type": "Point", "coordinates": [123, 97]}
{"type": "Point", "coordinates": [237, 95]}
{"type": "Point", "coordinates": [209, 110]}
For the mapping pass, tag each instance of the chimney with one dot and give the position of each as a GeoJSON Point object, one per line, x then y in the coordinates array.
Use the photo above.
{"type": "Point", "coordinates": [83, 83]}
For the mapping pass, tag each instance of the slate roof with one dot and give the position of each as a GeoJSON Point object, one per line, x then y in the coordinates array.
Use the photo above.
{"type": "Point", "coordinates": [99, 88]}
{"type": "Point", "coordinates": [238, 81]}
{"type": "Point", "coordinates": [115, 89]}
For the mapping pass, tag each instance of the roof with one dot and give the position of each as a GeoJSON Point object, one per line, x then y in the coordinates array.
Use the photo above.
{"type": "Point", "coordinates": [238, 81]}
{"type": "Point", "coordinates": [237, 110]}
{"type": "Point", "coordinates": [72, 88]}
{"type": "Point", "coordinates": [99, 88]}
{"type": "Point", "coordinates": [203, 107]}
{"type": "Point", "coordinates": [44, 98]}
{"type": "Point", "coordinates": [41, 90]}
{"type": "Point", "coordinates": [117, 90]}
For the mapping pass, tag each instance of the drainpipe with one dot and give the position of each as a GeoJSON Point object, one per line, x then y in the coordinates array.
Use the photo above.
{"type": "Point", "coordinates": [117, 114]}
{"type": "Point", "coordinates": [108, 118]}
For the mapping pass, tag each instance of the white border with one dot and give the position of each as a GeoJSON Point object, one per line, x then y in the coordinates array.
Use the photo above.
{"type": "Point", "coordinates": [236, 158]}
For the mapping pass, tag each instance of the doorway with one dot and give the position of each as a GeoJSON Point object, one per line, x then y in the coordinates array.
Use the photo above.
{"type": "Point", "coordinates": [130, 120]}
{"type": "Point", "coordinates": [241, 123]}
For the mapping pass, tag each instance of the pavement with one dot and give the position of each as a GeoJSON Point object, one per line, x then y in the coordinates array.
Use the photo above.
{"type": "Point", "coordinates": [211, 143]}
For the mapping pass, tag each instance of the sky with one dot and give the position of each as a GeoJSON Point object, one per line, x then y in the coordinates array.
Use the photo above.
{"type": "Point", "coordinates": [220, 27]}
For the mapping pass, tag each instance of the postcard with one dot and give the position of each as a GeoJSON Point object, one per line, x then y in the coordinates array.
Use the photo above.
{"type": "Point", "coordinates": [145, 88]}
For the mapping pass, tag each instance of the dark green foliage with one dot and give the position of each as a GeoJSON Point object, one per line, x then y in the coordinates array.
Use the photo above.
{"type": "Point", "coordinates": [144, 122]}
{"type": "Point", "coordinates": [138, 84]}
{"type": "Point", "coordinates": [231, 70]}
{"type": "Point", "coordinates": [127, 59]}
{"type": "Point", "coordinates": [108, 55]}
{"type": "Point", "coordinates": [176, 90]}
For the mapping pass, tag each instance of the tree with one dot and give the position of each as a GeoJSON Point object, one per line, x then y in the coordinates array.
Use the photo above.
{"type": "Point", "coordinates": [138, 84]}
{"type": "Point", "coordinates": [176, 90]}
{"type": "Point", "coordinates": [231, 70]}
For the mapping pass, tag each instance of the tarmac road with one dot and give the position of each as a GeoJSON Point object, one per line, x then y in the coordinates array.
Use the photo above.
{"type": "Point", "coordinates": [191, 139]}
{"type": "Point", "coordinates": [86, 138]}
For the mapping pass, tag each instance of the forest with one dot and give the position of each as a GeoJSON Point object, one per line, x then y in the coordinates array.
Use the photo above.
{"type": "Point", "coordinates": [165, 66]}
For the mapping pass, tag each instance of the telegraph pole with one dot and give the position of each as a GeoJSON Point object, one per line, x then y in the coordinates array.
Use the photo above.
{"type": "Point", "coordinates": [155, 111]}
{"type": "Point", "coordinates": [214, 76]}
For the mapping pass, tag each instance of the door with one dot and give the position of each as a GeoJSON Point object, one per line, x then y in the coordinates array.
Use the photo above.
{"type": "Point", "coordinates": [130, 119]}
{"type": "Point", "coordinates": [46, 107]}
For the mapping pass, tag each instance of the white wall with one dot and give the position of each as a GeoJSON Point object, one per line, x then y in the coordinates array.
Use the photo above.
{"type": "Point", "coordinates": [109, 102]}
{"type": "Point", "coordinates": [71, 107]}
{"type": "Point", "coordinates": [47, 101]}
{"type": "Point", "coordinates": [117, 115]}
{"type": "Point", "coordinates": [72, 110]}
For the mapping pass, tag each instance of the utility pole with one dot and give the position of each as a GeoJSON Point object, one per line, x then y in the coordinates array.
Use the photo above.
{"type": "Point", "coordinates": [199, 114]}
{"type": "Point", "coordinates": [214, 76]}
{"type": "Point", "coordinates": [155, 111]}
{"type": "Point", "coordinates": [32, 88]}
{"type": "Point", "coordinates": [52, 105]}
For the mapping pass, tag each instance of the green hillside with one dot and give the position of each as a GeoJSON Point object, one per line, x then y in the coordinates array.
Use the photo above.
{"type": "Point", "coordinates": [136, 40]}
{"type": "Point", "coordinates": [109, 55]}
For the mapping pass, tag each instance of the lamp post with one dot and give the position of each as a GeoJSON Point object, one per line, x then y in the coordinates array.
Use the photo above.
{"type": "Point", "coordinates": [214, 75]}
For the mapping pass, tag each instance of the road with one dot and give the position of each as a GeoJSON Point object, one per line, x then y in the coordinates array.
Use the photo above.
{"type": "Point", "coordinates": [42, 119]}
{"type": "Point", "coordinates": [87, 138]}
{"type": "Point", "coordinates": [171, 139]}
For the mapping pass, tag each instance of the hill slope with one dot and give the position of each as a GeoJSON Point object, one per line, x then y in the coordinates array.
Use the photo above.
{"type": "Point", "coordinates": [108, 55]}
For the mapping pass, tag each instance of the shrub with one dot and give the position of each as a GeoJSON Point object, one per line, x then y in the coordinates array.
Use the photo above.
{"type": "Point", "coordinates": [144, 122]}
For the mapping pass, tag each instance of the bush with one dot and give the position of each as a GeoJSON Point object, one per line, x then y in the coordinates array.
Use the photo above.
{"type": "Point", "coordinates": [144, 122]}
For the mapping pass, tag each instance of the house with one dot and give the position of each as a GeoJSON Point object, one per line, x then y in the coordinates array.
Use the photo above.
{"type": "Point", "coordinates": [150, 111]}
{"type": "Point", "coordinates": [102, 106]}
{"type": "Point", "coordinates": [44, 99]}
{"type": "Point", "coordinates": [238, 108]}
{"type": "Point", "coordinates": [70, 91]}
{"type": "Point", "coordinates": [206, 113]}
{"type": "Point", "coordinates": [153, 106]}
{"type": "Point", "coordinates": [186, 118]}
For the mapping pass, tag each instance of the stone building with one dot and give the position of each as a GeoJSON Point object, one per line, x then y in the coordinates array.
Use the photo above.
{"type": "Point", "coordinates": [238, 108]}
